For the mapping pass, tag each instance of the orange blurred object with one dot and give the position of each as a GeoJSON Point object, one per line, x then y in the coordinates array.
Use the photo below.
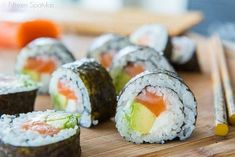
{"type": "Point", "coordinates": [19, 34]}
{"type": "Point", "coordinates": [106, 59]}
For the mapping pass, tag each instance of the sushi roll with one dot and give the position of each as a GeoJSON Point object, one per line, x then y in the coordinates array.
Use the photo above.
{"type": "Point", "coordinates": [46, 134]}
{"type": "Point", "coordinates": [154, 36]}
{"type": "Point", "coordinates": [184, 56]}
{"type": "Point", "coordinates": [133, 60]}
{"type": "Point", "coordinates": [105, 47]}
{"type": "Point", "coordinates": [155, 107]}
{"type": "Point", "coordinates": [84, 87]}
{"type": "Point", "coordinates": [40, 58]}
{"type": "Point", "coordinates": [17, 94]}
{"type": "Point", "coordinates": [180, 51]}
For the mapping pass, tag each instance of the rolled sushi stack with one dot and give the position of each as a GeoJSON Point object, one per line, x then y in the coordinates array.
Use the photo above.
{"type": "Point", "coordinates": [154, 104]}
{"type": "Point", "coordinates": [17, 94]}
{"type": "Point", "coordinates": [84, 87]}
{"type": "Point", "coordinates": [40, 58]}
{"type": "Point", "coordinates": [155, 107]}
{"type": "Point", "coordinates": [133, 60]}
{"type": "Point", "coordinates": [180, 50]}
{"type": "Point", "coordinates": [105, 47]}
{"type": "Point", "coordinates": [49, 133]}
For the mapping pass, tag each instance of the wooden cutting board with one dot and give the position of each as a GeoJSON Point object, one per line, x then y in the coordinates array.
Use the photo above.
{"type": "Point", "coordinates": [104, 139]}
{"type": "Point", "coordinates": [124, 21]}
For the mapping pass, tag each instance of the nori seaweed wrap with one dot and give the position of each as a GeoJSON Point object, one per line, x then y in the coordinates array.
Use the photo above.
{"type": "Point", "coordinates": [84, 87]}
{"type": "Point", "coordinates": [40, 134]}
{"type": "Point", "coordinates": [17, 94]}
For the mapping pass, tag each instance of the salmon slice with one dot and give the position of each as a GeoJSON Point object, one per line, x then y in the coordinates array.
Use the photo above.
{"type": "Point", "coordinates": [106, 59]}
{"type": "Point", "coordinates": [19, 34]}
{"type": "Point", "coordinates": [40, 65]}
{"type": "Point", "coordinates": [152, 101]}
{"type": "Point", "coordinates": [65, 91]}
{"type": "Point", "coordinates": [132, 69]}
{"type": "Point", "coordinates": [144, 40]}
{"type": "Point", "coordinates": [40, 127]}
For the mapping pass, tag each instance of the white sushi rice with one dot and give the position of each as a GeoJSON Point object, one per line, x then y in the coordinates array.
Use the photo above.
{"type": "Point", "coordinates": [150, 58]}
{"type": "Point", "coordinates": [44, 48]}
{"type": "Point", "coordinates": [183, 49]}
{"type": "Point", "coordinates": [12, 133]}
{"type": "Point", "coordinates": [82, 105]}
{"type": "Point", "coordinates": [156, 34]}
{"type": "Point", "coordinates": [107, 43]}
{"type": "Point", "coordinates": [177, 121]}
{"type": "Point", "coordinates": [10, 83]}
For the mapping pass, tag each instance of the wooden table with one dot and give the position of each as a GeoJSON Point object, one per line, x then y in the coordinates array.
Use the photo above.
{"type": "Point", "coordinates": [104, 139]}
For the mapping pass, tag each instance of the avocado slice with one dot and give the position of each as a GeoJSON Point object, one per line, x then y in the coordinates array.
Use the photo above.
{"type": "Point", "coordinates": [121, 79]}
{"type": "Point", "coordinates": [63, 121]}
{"type": "Point", "coordinates": [72, 122]}
{"type": "Point", "coordinates": [59, 101]}
{"type": "Point", "coordinates": [33, 74]}
{"type": "Point", "coordinates": [141, 118]}
{"type": "Point", "coordinates": [59, 123]}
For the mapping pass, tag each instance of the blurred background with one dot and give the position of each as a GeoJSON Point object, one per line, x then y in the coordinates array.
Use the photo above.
{"type": "Point", "coordinates": [215, 12]}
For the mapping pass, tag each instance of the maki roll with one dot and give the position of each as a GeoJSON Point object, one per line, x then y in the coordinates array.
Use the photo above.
{"type": "Point", "coordinates": [155, 107]}
{"type": "Point", "coordinates": [105, 47]}
{"type": "Point", "coordinates": [133, 60]}
{"type": "Point", "coordinates": [17, 94]}
{"type": "Point", "coordinates": [84, 87]}
{"type": "Point", "coordinates": [154, 36]}
{"type": "Point", "coordinates": [184, 56]}
{"type": "Point", "coordinates": [180, 51]}
{"type": "Point", "coordinates": [49, 133]}
{"type": "Point", "coordinates": [40, 58]}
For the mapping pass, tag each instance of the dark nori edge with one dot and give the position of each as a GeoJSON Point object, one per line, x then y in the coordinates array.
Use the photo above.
{"type": "Point", "coordinates": [68, 147]}
{"type": "Point", "coordinates": [100, 88]}
{"type": "Point", "coordinates": [191, 65]}
{"type": "Point", "coordinates": [168, 49]}
{"type": "Point", "coordinates": [19, 102]}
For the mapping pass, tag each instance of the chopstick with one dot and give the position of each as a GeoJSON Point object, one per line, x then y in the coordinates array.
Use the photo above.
{"type": "Point", "coordinates": [229, 96]}
{"type": "Point", "coordinates": [221, 124]}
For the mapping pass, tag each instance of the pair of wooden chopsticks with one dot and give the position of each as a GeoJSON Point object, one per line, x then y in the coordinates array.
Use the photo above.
{"type": "Point", "coordinates": [224, 103]}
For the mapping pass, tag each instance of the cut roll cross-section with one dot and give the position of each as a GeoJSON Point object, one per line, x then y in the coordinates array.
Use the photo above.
{"type": "Point", "coordinates": [17, 94]}
{"type": "Point", "coordinates": [133, 60]}
{"type": "Point", "coordinates": [40, 58]}
{"type": "Point", "coordinates": [84, 87]}
{"type": "Point", "coordinates": [155, 107]}
{"type": "Point", "coordinates": [49, 133]}
{"type": "Point", "coordinates": [105, 47]}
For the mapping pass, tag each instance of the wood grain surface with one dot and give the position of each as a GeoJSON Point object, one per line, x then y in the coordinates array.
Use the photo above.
{"type": "Point", "coordinates": [124, 21]}
{"type": "Point", "coordinates": [104, 139]}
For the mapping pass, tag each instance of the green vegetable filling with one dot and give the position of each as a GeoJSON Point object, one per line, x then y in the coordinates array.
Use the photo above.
{"type": "Point", "coordinates": [59, 101]}
{"type": "Point", "coordinates": [63, 121]}
{"type": "Point", "coordinates": [33, 75]}
{"type": "Point", "coordinates": [141, 118]}
{"type": "Point", "coordinates": [121, 79]}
